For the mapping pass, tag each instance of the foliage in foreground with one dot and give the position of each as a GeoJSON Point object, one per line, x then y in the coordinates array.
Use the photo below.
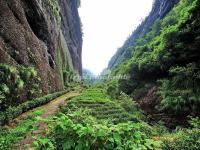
{"type": "Point", "coordinates": [81, 131]}
{"type": "Point", "coordinates": [65, 134]}
{"type": "Point", "coordinates": [94, 121]}
{"type": "Point", "coordinates": [9, 136]}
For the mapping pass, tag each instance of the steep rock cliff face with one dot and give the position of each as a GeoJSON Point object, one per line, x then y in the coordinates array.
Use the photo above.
{"type": "Point", "coordinates": [159, 10]}
{"type": "Point", "coordinates": [43, 34]}
{"type": "Point", "coordinates": [71, 30]}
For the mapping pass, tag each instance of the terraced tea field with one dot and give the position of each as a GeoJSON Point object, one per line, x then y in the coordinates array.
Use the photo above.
{"type": "Point", "coordinates": [100, 106]}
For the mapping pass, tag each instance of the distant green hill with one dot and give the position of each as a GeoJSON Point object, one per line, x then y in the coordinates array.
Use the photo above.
{"type": "Point", "coordinates": [88, 76]}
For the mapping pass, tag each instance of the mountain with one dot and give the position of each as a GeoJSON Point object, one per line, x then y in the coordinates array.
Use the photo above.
{"type": "Point", "coordinates": [159, 10]}
{"type": "Point", "coordinates": [88, 76]}
{"type": "Point", "coordinates": [161, 58]}
{"type": "Point", "coordinates": [149, 97]}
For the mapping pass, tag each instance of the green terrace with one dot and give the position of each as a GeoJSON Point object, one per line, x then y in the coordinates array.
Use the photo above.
{"type": "Point", "coordinates": [100, 106]}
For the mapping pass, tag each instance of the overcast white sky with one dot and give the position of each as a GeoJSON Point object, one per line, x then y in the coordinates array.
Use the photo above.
{"type": "Point", "coordinates": [106, 25]}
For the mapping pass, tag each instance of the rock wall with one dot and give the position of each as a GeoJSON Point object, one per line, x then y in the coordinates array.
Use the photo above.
{"type": "Point", "coordinates": [71, 29]}
{"type": "Point", "coordinates": [159, 10]}
{"type": "Point", "coordinates": [45, 34]}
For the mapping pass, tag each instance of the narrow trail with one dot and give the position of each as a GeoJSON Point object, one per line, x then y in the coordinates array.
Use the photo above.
{"type": "Point", "coordinates": [49, 109]}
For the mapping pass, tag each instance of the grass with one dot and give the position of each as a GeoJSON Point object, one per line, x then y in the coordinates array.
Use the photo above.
{"type": "Point", "coordinates": [9, 136]}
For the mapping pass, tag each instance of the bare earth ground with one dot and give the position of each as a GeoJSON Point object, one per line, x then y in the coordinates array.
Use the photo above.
{"type": "Point", "coordinates": [49, 109]}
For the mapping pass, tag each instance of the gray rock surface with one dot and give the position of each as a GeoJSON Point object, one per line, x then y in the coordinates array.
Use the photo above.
{"type": "Point", "coordinates": [31, 34]}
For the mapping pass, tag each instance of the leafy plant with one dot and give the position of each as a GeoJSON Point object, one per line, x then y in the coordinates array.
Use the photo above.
{"type": "Point", "coordinates": [14, 81]}
{"type": "Point", "coordinates": [180, 95]}
{"type": "Point", "coordinates": [187, 139]}
{"type": "Point", "coordinates": [65, 134]}
{"type": "Point", "coordinates": [9, 136]}
{"type": "Point", "coordinates": [12, 112]}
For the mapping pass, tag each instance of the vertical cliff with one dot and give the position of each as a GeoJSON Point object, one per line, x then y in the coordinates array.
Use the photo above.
{"type": "Point", "coordinates": [45, 34]}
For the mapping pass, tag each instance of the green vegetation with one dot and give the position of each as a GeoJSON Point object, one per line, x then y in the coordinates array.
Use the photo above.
{"type": "Point", "coordinates": [94, 121]}
{"type": "Point", "coordinates": [8, 136]}
{"type": "Point", "coordinates": [163, 66]}
{"type": "Point", "coordinates": [65, 134]}
{"type": "Point", "coordinates": [54, 7]}
{"type": "Point", "coordinates": [68, 77]}
{"type": "Point", "coordinates": [187, 139]}
{"type": "Point", "coordinates": [12, 112]}
{"type": "Point", "coordinates": [14, 81]}
{"type": "Point", "coordinates": [102, 107]}
{"type": "Point", "coordinates": [168, 52]}
{"type": "Point", "coordinates": [80, 125]}
{"type": "Point", "coordinates": [181, 94]}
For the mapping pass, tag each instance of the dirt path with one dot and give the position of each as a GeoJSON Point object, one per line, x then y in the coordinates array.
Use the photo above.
{"type": "Point", "coordinates": [49, 109]}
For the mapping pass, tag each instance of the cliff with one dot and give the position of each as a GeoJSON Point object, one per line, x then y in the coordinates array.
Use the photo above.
{"type": "Point", "coordinates": [159, 10]}
{"type": "Point", "coordinates": [45, 34]}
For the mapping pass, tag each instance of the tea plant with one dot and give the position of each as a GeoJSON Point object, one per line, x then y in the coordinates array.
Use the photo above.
{"type": "Point", "coordinates": [94, 121]}
{"type": "Point", "coordinates": [9, 136]}
{"type": "Point", "coordinates": [187, 139]}
{"type": "Point", "coordinates": [66, 134]}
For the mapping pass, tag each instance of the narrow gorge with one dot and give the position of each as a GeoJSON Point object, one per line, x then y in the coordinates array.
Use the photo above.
{"type": "Point", "coordinates": [147, 98]}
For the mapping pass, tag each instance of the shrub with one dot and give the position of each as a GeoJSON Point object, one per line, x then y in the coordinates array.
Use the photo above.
{"type": "Point", "coordinates": [12, 112]}
{"type": "Point", "coordinates": [112, 90]}
{"type": "Point", "coordinates": [186, 139]}
{"type": "Point", "coordinates": [9, 136]}
{"type": "Point", "coordinates": [127, 103]}
{"type": "Point", "coordinates": [65, 134]}
{"type": "Point", "coordinates": [130, 106]}
{"type": "Point", "coordinates": [180, 94]}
